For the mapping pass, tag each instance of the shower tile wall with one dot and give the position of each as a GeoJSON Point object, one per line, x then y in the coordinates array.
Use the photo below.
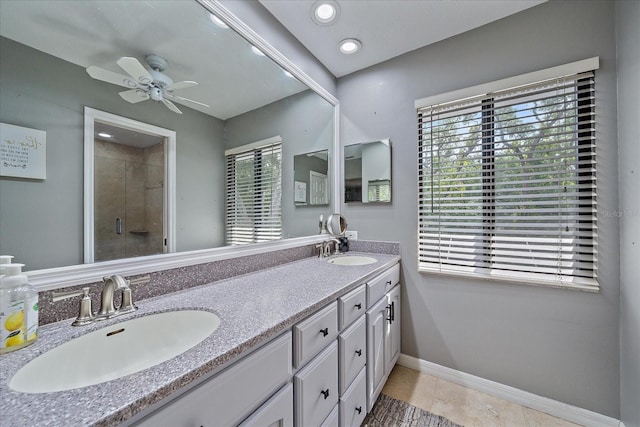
{"type": "Point", "coordinates": [129, 186]}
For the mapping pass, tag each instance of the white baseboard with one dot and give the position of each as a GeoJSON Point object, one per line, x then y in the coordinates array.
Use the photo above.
{"type": "Point", "coordinates": [543, 404]}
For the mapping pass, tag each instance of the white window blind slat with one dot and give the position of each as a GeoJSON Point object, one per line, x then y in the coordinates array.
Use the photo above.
{"type": "Point", "coordinates": [507, 184]}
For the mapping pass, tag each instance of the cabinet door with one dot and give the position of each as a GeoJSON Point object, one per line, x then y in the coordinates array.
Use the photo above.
{"type": "Point", "coordinates": [392, 344]}
{"type": "Point", "coordinates": [316, 388]}
{"type": "Point", "coordinates": [314, 333]}
{"type": "Point", "coordinates": [230, 396]}
{"type": "Point", "coordinates": [376, 366]}
{"type": "Point", "coordinates": [353, 405]}
{"type": "Point", "coordinates": [352, 349]}
{"type": "Point", "coordinates": [332, 419]}
{"type": "Point", "coordinates": [276, 412]}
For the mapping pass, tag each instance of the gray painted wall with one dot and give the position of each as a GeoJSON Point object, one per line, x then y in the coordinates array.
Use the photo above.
{"type": "Point", "coordinates": [628, 37]}
{"type": "Point", "coordinates": [43, 92]}
{"type": "Point", "coordinates": [305, 123]}
{"type": "Point", "coordinates": [555, 343]}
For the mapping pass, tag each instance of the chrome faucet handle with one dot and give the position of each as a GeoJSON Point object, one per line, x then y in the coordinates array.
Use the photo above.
{"type": "Point", "coordinates": [336, 249]}
{"type": "Point", "coordinates": [85, 316]}
{"type": "Point", "coordinates": [127, 305]}
{"type": "Point", "coordinates": [327, 249]}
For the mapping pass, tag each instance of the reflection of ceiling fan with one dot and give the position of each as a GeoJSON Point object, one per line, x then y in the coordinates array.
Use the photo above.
{"type": "Point", "coordinates": [145, 83]}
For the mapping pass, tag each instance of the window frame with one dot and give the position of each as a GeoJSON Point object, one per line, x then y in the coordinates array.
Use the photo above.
{"type": "Point", "coordinates": [484, 92]}
{"type": "Point", "coordinates": [257, 233]}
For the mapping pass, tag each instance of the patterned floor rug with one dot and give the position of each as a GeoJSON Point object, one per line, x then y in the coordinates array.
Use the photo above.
{"type": "Point", "coordinates": [389, 412]}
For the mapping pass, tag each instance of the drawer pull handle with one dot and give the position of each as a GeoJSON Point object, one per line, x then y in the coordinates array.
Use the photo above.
{"type": "Point", "coordinates": [388, 282]}
{"type": "Point", "coordinates": [359, 306]}
{"type": "Point", "coordinates": [359, 409]}
{"type": "Point", "coordinates": [324, 332]}
{"type": "Point", "coordinates": [359, 352]}
{"type": "Point", "coordinates": [325, 393]}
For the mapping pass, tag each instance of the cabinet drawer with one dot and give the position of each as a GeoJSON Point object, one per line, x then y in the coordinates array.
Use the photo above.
{"type": "Point", "coordinates": [351, 306]}
{"type": "Point", "coordinates": [332, 419]}
{"type": "Point", "coordinates": [353, 405]}
{"type": "Point", "coordinates": [380, 285]}
{"type": "Point", "coordinates": [314, 333]}
{"type": "Point", "coordinates": [316, 388]}
{"type": "Point", "coordinates": [352, 351]}
{"type": "Point", "coordinates": [231, 395]}
{"type": "Point", "coordinates": [277, 411]}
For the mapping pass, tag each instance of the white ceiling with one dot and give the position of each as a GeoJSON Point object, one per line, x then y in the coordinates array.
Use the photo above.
{"type": "Point", "coordinates": [386, 28]}
{"type": "Point", "coordinates": [232, 79]}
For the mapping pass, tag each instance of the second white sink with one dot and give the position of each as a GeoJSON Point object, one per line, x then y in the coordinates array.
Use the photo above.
{"type": "Point", "coordinates": [115, 351]}
{"type": "Point", "coordinates": [351, 260]}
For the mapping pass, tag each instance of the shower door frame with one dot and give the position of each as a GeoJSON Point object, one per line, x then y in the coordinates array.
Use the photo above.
{"type": "Point", "coordinates": [92, 115]}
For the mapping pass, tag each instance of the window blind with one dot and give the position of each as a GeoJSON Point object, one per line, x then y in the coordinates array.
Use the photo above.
{"type": "Point", "coordinates": [507, 184]}
{"type": "Point", "coordinates": [253, 196]}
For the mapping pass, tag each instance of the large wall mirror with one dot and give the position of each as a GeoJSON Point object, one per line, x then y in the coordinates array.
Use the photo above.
{"type": "Point", "coordinates": [241, 96]}
{"type": "Point", "coordinates": [367, 172]}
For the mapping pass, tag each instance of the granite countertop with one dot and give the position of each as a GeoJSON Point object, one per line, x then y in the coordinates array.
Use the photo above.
{"type": "Point", "coordinates": [253, 308]}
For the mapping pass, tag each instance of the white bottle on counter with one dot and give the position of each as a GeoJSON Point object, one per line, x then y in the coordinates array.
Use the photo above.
{"type": "Point", "coordinates": [18, 309]}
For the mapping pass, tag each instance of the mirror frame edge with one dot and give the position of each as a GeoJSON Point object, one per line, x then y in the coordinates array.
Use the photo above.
{"type": "Point", "coordinates": [73, 275]}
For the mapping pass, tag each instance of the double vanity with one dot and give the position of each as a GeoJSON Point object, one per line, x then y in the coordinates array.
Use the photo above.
{"type": "Point", "coordinates": [306, 343]}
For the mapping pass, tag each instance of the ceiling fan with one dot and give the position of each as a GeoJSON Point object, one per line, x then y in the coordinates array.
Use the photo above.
{"type": "Point", "coordinates": [145, 83]}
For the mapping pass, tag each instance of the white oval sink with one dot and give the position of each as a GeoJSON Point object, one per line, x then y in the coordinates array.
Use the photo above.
{"type": "Point", "coordinates": [351, 260]}
{"type": "Point", "coordinates": [115, 351]}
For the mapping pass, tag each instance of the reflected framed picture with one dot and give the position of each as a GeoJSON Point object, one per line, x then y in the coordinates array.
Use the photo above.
{"type": "Point", "coordinates": [300, 192]}
{"type": "Point", "coordinates": [23, 152]}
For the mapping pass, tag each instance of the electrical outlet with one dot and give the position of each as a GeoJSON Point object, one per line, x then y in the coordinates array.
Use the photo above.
{"type": "Point", "coordinates": [353, 235]}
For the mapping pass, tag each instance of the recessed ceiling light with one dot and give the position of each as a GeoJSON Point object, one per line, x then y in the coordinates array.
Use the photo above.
{"type": "Point", "coordinates": [217, 21]}
{"type": "Point", "coordinates": [349, 46]}
{"type": "Point", "coordinates": [325, 12]}
{"type": "Point", "coordinates": [257, 51]}
{"type": "Point", "coordinates": [105, 135]}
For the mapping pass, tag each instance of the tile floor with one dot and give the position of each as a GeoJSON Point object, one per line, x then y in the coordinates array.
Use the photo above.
{"type": "Point", "coordinates": [463, 405]}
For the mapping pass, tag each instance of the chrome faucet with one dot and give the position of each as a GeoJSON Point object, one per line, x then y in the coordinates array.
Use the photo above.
{"type": "Point", "coordinates": [325, 248]}
{"type": "Point", "coordinates": [113, 284]}
{"type": "Point", "coordinates": [336, 248]}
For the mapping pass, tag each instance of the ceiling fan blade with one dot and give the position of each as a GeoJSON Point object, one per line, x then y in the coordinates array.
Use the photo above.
{"type": "Point", "coordinates": [134, 95]}
{"type": "Point", "coordinates": [111, 77]}
{"type": "Point", "coordinates": [180, 85]}
{"type": "Point", "coordinates": [180, 98]}
{"type": "Point", "coordinates": [134, 68]}
{"type": "Point", "coordinates": [171, 106]}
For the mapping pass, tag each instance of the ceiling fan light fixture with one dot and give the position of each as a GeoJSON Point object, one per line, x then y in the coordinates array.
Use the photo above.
{"type": "Point", "coordinates": [325, 12]}
{"type": "Point", "coordinates": [349, 46]}
{"type": "Point", "coordinates": [156, 94]}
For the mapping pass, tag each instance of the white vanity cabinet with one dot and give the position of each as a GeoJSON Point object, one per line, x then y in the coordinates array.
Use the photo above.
{"type": "Point", "coordinates": [383, 330]}
{"type": "Point", "coordinates": [231, 395]}
{"type": "Point", "coordinates": [326, 371]}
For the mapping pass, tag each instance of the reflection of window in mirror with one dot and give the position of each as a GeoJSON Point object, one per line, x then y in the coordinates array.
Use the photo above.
{"type": "Point", "coordinates": [367, 172]}
{"type": "Point", "coordinates": [311, 180]}
{"type": "Point", "coordinates": [254, 192]}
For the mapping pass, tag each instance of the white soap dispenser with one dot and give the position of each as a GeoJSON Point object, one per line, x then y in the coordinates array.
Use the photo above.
{"type": "Point", "coordinates": [18, 309]}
